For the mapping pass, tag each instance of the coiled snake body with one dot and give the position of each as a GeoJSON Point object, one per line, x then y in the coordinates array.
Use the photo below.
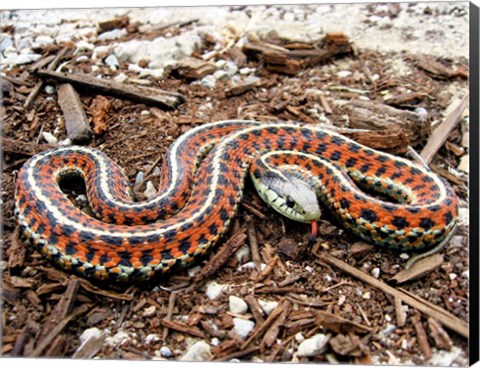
{"type": "Point", "coordinates": [201, 188]}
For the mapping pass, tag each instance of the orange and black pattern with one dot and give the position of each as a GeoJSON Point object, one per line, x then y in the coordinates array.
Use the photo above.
{"type": "Point", "coordinates": [202, 185]}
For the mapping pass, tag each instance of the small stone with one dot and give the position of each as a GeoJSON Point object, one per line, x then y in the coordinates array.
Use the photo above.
{"type": "Point", "coordinates": [49, 90]}
{"type": "Point", "coordinates": [466, 274]}
{"type": "Point", "coordinates": [112, 62]}
{"type": "Point", "coordinates": [120, 338]}
{"type": "Point", "coordinates": [44, 40]}
{"type": "Point", "coordinates": [122, 77]}
{"type": "Point", "coordinates": [313, 346]}
{"type": "Point", "coordinates": [49, 138]}
{"type": "Point", "coordinates": [367, 295]}
{"type": "Point", "coordinates": [150, 311]}
{"type": "Point", "coordinates": [215, 341]}
{"type": "Point", "coordinates": [166, 352]}
{"type": "Point", "coordinates": [242, 254]}
{"type": "Point", "coordinates": [214, 289]}
{"type": "Point", "coordinates": [150, 190]}
{"type": "Point", "coordinates": [237, 305]}
{"type": "Point", "coordinates": [84, 46]}
{"type": "Point", "coordinates": [151, 338]}
{"type": "Point", "coordinates": [208, 81]}
{"type": "Point", "coordinates": [375, 272]}
{"type": "Point", "coordinates": [242, 327]}
{"type": "Point", "coordinates": [90, 333]}
{"type": "Point", "coordinates": [299, 337]}
{"type": "Point", "coordinates": [452, 276]}
{"type": "Point", "coordinates": [138, 178]}
{"type": "Point", "coordinates": [220, 75]}
{"type": "Point", "coordinates": [268, 306]}
{"type": "Point", "coordinates": [112, 35]}
{"type": "Point", "coordinates": [385, 23]}
{"type": "Point", "coordinates": [344, 73]}
{"type": "Point", "coordinates": [200, 351]}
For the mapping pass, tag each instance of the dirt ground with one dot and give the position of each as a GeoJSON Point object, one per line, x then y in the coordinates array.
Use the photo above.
{"type": "Point", "coordinates": [298, 294]}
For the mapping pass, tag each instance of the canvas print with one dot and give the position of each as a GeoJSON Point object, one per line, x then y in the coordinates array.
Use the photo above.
{"type": "Point", "coordinates": [258, 183]}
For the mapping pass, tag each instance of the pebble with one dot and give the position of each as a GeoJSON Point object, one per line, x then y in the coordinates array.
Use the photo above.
{"type": "Point", "coordinates": [299, 337]}
{"type": "Point", "coordinates": [151, 338]}
{"type": "Point", "coordinates": [90, 333]}
{"type": "Point", "coordinates": [49, 138]}
{"type": "Point", "coordinates": [200, 351]}
{"type": "Point", "coordinates": [84, 46]}
{"type": "Point", "coordinates": [166, 352]}
{"type": "Point", "coordinates": [138, 178]}
{"type": "Point", "coordinates": [375, 272]}
{"type": "Point", "coordinates": [267, 306]}
{"type": "Point", "coordinates": [344, 73]}
{"type": "Point", "coordinates": [237, 305]}
{"type": "Point", "coordinates": [120, 338]}
{"type": "Point", "coordinates": [150, 190]}
{"type": "Point", "coordinates": [242, 254]}
{"type": "Point", "coordinates": [50, 90]}
{"type": "Point", "coordinates": [150, 311]}
{"type": "Point", "coordinates": [313, 346]}
{"type": "Point", "coordinates": [452, 276]}
{"type": "Point", "coordinates": [214, 289]}
{"type": "Point", "coordinates": [44, 40]}
{"type": "Point", "coordinates": [112, 62]}
{"type": "Point", "coordinates": [112, 35]}
{"type": "Point", "coordinates": [122, 77]}
{"type": "Point", "coordinates": [5, 42]}
{"type": "Point", "coordinates": [242, 327]}
{"type": "Point", "coordinates": [208, 81]}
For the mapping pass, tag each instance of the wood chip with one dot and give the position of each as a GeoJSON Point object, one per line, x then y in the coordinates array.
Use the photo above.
{"type": "Point", "coordinates": [90, 348]}
{"type": "Point", "coordinates": [346, 345]}
{"type": "Point", "coordinates": [17, 147]}
{"type": "Point", "coordinates": [150, 95]}
{"type": "Point", "coordinates": [419, 269]}
{"type": "Point", "coordinates": [193, 69]}
{"type": "Point", "coordinates": [100, 111]}
{"type": "Point", "coordinates": [76, 122]}
{"type": "Point", "coordinates": [437, 69]}
{"type": "Point", "coordinates": [421, 336]}
{"type": "Point", "coordinates": [221, 256]}
{"type": "Point", "coordinates": [360, 249]}
{"type": "Point", "coordinates": [242, 87]}
{"type": "Point", "coordinates": [400, 311]}
{"type": "Point", "coordinates": [440, 336]}
{"type": "Point", "coordinates": [340, 325]}
{"type": "Point", "coordinates": [441, 133]}
{"type": "Point", "coordinates": [182, 327]}
{"type": "Point", "coordinates": [272, 333]}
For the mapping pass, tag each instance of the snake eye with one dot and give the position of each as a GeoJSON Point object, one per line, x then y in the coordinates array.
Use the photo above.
{"type": "Point", "coordinates": [290, 202]}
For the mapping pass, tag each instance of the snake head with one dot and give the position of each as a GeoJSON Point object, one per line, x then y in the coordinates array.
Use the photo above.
{"type": "Point", "coordinates": [290, 196]}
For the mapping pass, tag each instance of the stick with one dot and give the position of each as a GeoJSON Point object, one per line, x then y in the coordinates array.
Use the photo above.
{"type": "Point", "coordinates": [160, 97]}
{"type": "Point", "coordinates": [440, 134]}
{"type": "Point", "coordinates": [444, 317]}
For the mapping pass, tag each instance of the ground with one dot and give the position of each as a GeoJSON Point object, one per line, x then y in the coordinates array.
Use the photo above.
{"type": "Point", "coordinates": [288, 293]}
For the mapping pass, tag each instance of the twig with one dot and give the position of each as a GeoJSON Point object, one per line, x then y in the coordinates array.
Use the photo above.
{"type": "Point", "coordinates": [252, 240]}
{"type": "Point", "coordinates": [422, 336]}
{"type": "Point", "coordinates": [33, 94]}
{"type": "Point", "coordinates": [444, 317]}
{"type": "Point", "coordinates": [440, 135]}
{"type": "Point", "coordinates": [171, 305]}
{"type": "Point", "coordinates": [160, 97]}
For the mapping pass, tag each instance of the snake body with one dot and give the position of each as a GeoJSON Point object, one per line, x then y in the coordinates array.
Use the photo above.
{"type": "Point", "coordinates": [202, 185]}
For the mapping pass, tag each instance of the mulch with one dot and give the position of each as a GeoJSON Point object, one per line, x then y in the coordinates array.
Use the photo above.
{"type": "Point", "coordinates": [350, 291]}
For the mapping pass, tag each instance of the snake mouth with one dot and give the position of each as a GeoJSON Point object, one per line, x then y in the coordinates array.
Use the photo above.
{"type": "Point", "coordinates": [313, 234]}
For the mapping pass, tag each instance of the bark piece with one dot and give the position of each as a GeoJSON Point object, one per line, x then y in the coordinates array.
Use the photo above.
{"type": "Point", "coordinates": [440, 336]}
{"type": "Point", "coordinates": [290, 248]}
{"type": "Point", "coordinates": [347, 345]}
{"type": "Point", "coordinates": [338, 324]}
{"type": "Point", "coordinates": [149, 95]}
{"type": "Point", "coordinates": [76, 122]}
{"type": "Point", "coordinates": [441, 133]}
{"type": "Point", "coordinates": [99, 109]}
{"type": "Point", "coordinates": [115, 23]}
{"type": "Point", "coordinates": [419, 269]}
{"type": "Point", "coordinates": [422, 337]}
{"type": "Point", "coordinates": [192, 69]}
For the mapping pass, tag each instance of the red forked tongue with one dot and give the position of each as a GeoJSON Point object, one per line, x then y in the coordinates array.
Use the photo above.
{"type": "Point", "coordinates": [313, 235]}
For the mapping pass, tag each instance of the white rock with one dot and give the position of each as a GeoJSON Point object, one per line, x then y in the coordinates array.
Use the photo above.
{"type": "Point", "coordinates": [112, 62]}
{"type": "Point", "coordinates": [82, 58]}
{"type": "Point", "coordinates": [299, 337]}
{"type": "Point", "coordinates": [375, 272]}
{"type": "Point", "coordinates": [150, 311]}
{"type": "Point", "coordinates": [112, 35]}
{"type": "Point", "coordinates": [120, 338]}
{"type": "Point", "coordinates": [208, 81]}
{"type": "Point", "coordinates": [44, 40]}
{"type": "Point", "coordinates": [220, 75]}
{"type": "Point", "coordinates": [21, 59]}
{"type": "Point", "coordinates": [242, 253]}
{"type": "Point", "coordinates": [466, 274]}
{"type": "Point", "coordinates": [49, 138]}
{"type": "Point", "coordinates": [166, 352]}
{"type": "Point", "coordinates": [452, 276]}
{"type": "Point", "coordinates": [242, 327]}
{"type": "Point", "coordinates": [150, 190]}
{"type": "Point", "coordinates": [214, 289]}
{"type": "Point", "coordinates": [5, 42]}
{"type": "Point", "coordinates": [90, 333]}
{"type": "Point", "coordinates": [444, 358]}
{"type": "Point", "coordinates": [313, 346]}
{"type": "Point", "coordinates": [200, 351]}
{"type": "Point", "coordinates": [139, 178]}
{"type": "Point", "coordinates": [344, 73]}
{"type": "Point", "coordinates": [84, 46]}
{"type": "Point", "coordinates": [215, 341]}
{"type": "Point", "coordinates": [237, 305]}
{"type": "Point", "coordinates": [385, 23]}
{"type": "Point", "coordinates": [267, 306]}
{"type": "Point", "coordinates": [151, 338]}
{"type": "Point", "coordinates": [50, 90]}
